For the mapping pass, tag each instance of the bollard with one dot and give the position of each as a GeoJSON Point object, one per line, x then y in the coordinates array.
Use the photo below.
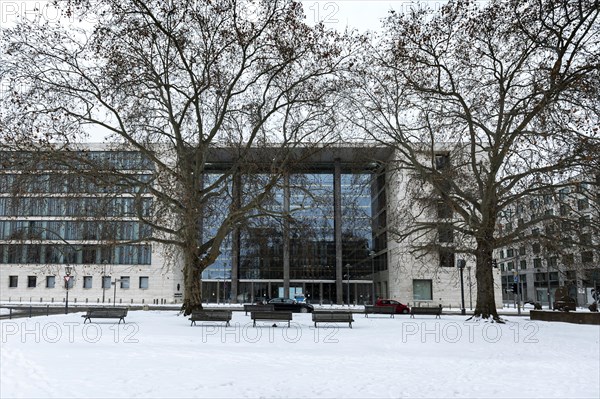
{"type": "Point", "coordinates": [52, 300]}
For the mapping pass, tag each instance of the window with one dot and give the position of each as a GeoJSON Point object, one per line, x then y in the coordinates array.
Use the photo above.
{"type": "Point", "coordinates": [587, 257]}
{"type": "Point", "coordinates": [13, 281]}
{"type": "Point", "coordinates": [537, 263]}
{"type": "Point", "coordinates": [523, 265]}
{"type": "Point", "coordinates": [510, 253]}
{"type": "Point", "coordinates": [582, 204]}
{"type": "Point", "coordinates": [564, 211]}
{"type": "Point", "coordinates": [443, 210]}
{"type": "Point", "coordinates": [585, 221]}
{"type": "Point", "coordinates": [510, 266]}
{"type": "Point", "coordinates": [50, 281]}
{"type": "Point", "coordinates": [106, 282]}
{"type": "Point", "coordinates": [125, 282]}
{"type": "Point", "coordinates": [446, 258]}
{"type": "Point", "coordinates": [442, 161]}
{"type": "Point", "coordinates": [87, 281]}
{"type": "Point", "coordinates": [31, 281]}
{"type": "Point", "coordinates": [536, 248]}
{"type": "Point", "coordinates": [144, 282]}
{"type": "Point", "coordinates": [422, 290]}
{"type": "Point", "coordinates": [69, 284]}
{"type": "Point", "coordinates": [445, 233]}
{"type": "Point", "coordinates": [585, 239]}
{"type": "Point", "coordinates": [522, 251]}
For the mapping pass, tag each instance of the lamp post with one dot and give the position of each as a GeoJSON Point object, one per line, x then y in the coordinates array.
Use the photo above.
{"type": "Point", "coordinates": [103, 277]}
{"type": "Point", "coordinates": [548, 281]}
{"type": "Point", "coordinates": [372, 255]}
{"type": "Point", "coordinates": [348, 279]}
{"type": "Point", "coordinates": [461, 266]}
{"type": "Point", "coordinates": [68, 270]}
{"type": "Point", "coordinates": [470, 288]}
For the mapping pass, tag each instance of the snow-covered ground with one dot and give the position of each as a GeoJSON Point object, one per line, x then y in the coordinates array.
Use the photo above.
{"type": "Point", "coordinates": [158, 354]}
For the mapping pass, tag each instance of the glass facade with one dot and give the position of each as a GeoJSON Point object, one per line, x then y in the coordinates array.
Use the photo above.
{"type": "Point", "coordinates": [62, 218]}
{"type": "Point", "coordinates": [310, 231]}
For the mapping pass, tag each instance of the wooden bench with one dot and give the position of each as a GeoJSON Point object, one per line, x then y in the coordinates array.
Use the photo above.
{"type": "Point", "coordinates": [211, 315]}
{"type": "Point", "coordinates": [370, 309]}
{"type": "Point", "coordinates": [105, 313]}
{"type": "Point", "coordinates": [258, 308]}
{"type": "Point", "coordinates": [433, 310]}
{"type": "Point", "coordinates": [271, 316]}
{"type": "Point", "coordinates": [332, 317]}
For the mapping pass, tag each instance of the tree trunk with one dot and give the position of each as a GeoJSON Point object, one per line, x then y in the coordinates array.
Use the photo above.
{"type": "Point", "coordinates": [192, 282]}
{"type": "Point", "coordinates": [486, 303]}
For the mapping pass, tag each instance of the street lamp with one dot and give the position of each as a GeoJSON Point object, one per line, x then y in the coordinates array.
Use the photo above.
{"type": "Point", "coordinates": [372, 255]}
{"type": "Point", "coordinates": [461, 266]}
{"type": "Point", "coordinates": [68, 270]}
{"type": "Point", "coordinates": [348, 279]}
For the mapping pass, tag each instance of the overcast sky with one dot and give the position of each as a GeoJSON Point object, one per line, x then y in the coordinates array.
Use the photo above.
{"type": "Point", "coordinates": [360, 14]}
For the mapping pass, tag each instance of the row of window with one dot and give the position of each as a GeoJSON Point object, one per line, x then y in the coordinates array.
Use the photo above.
{"type": "Point", "coordinates": [74, 207]}
{"type": "Point", "coordinates": [121, 160]}
{"type": "Point", "coordinates": [67, 183]}
{"type": "Point", "coordinates": [569, 259]}
{"type": "Point", "coordinates": [106, 282]}
{"type": "Point", "coordinates": [75, 254]}
{"type": "Point", "coordinates": [73, 230]}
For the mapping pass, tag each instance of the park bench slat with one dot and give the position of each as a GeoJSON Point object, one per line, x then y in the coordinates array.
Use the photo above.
{"type": "Point", "coordinates": [332, 317]}
{"type": "Point", "coordinates": [211, 315]}
{"type": "Point", "coordinates": [105, 313]}
{"type": "Point", "coordinates": [370, 309]}
{"type": "Point", "coordinates": [433, 310]}
{"type": "Point", "coordinates": [271, 316]}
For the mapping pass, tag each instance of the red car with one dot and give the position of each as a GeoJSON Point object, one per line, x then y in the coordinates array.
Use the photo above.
{"type": "Point", "coordinates": [400, 307]}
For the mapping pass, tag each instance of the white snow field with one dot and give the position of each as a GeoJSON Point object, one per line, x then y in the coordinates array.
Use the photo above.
{"type": "Point", "coordinates": [157, 354]}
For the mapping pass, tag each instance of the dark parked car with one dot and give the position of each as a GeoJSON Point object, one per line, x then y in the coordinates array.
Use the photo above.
{"type": "Point", "coordinates": [291, 305]}
{"type": "Point", "coordinates": [400, 307]}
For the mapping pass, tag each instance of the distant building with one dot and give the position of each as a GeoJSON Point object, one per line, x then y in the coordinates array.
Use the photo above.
{"type": "Point", "coordinates": [558, 249]}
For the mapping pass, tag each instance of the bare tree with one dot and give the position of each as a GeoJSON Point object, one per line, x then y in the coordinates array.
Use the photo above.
{"type": "Point", "coordinates": [183, 82]}
{"type": "Point", "coordinates": [487, 106]}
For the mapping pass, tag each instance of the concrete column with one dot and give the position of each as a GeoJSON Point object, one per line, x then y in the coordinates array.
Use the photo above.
{"type": "Point", "coordinates": [337, 222]}
{"type": "Point", "coordinates": [286, 235]}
